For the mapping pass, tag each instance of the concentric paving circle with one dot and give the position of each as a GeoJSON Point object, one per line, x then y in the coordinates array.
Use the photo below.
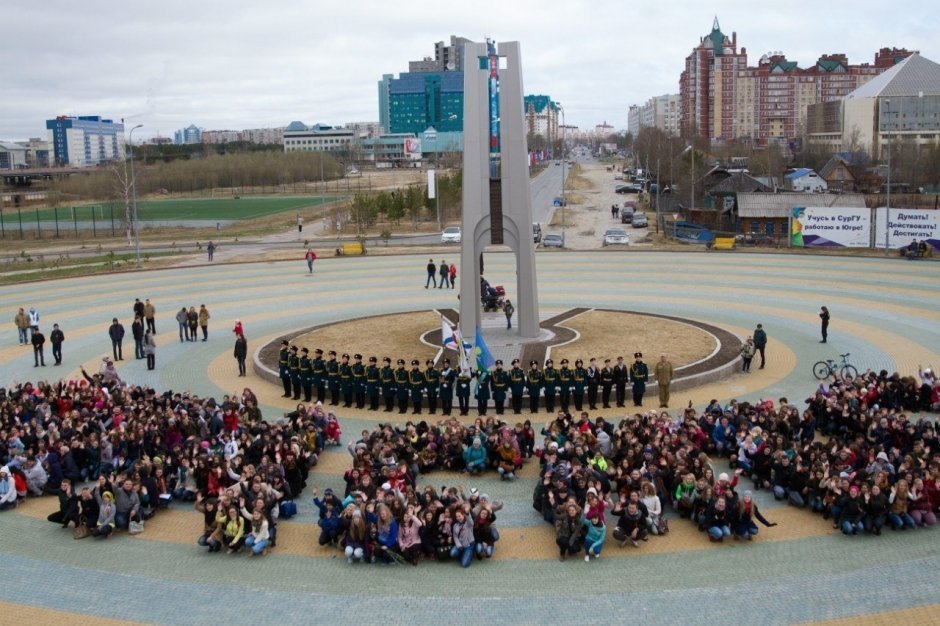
{"type": "Point", "coordinates": [884, 312]}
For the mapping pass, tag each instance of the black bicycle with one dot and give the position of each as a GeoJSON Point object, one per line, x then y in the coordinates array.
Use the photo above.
{"type": "Point", "coordinates": [824, 369]}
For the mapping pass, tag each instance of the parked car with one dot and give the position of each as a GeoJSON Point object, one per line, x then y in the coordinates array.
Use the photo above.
{"type": "Point", "coordinates": [451, 234]}
{"type": "Point", "coordinates": [616, 236]}
{"type": "Point", "coordinates": [559, 201]}
{"type": "Point", "coordinates": [624, 189]}
{"type": "Point", "coordinates": [553, 240]}
{"type": "Point", "coordinates": [536, 232]}
{"type": "Point", "coordinates": [639, 220]}
{"type": "Point", "coordinates": [626, 212]}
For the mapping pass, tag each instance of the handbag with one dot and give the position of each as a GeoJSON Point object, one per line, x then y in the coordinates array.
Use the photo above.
{"type": "Point", "coordinates": [662, 525]}
{"type": "Point", "coordinates": [287, 509]}
{"type": "Point", "coordinates": [81, 531]}
{"type": "Point", "coordinates": [135, 528]}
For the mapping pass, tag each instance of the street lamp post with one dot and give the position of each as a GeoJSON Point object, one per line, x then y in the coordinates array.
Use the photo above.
{"type": "Point", "coordinates": [134, 194]}
{"type": "Point", "coordinates": [564, 165]}
{"type": "Point", "coordinates": [888, 192]}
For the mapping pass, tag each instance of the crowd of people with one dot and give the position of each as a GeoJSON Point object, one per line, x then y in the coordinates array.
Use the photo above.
{"type": "Point", "coordinates": [115, 454]}
{"type": "Point", "coordinates": [347, 379]}
{"type": "Point", "coordinates": [871, 466]}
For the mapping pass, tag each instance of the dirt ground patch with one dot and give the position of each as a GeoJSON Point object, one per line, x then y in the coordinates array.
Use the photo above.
{"type": "Point", "coordinates": [396, 336]}
{"type": "Point", "coordinates": [606, 334]}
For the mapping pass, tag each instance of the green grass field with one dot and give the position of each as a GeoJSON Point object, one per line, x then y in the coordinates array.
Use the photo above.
{"type": "Point", "coordinates": [178, 209]}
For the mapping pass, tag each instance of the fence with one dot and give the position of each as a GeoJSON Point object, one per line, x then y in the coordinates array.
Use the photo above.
{"type": "Point", "coordinates": [59, 222]}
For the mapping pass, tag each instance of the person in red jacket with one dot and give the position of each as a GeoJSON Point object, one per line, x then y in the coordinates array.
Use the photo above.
{"type": "Point", "coordinates": [310, 257]}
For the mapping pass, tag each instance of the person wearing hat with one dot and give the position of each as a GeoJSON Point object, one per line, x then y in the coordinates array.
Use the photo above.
{"type": "Point", "coordinates": [387, 382]}
{"type": "Point", "coordinates": [533, 383]}
{"type": "Point", "coordinates": [402, 387]}
{"type": "Point", "coordinates": [293, 364]}
{"type": "Point", "coordinates": [474, 457]}
{"type": "Point", "coordinates": [607, 383]}
{"type": "Point", "coordinates": [318, 374]}
{"type": "Point", "coordinates": [332, 378]}
{"type": "Point", "coordinates": [106, 514]}
{"type": "Point", "coordinates": [549, 384]}
{"type": "Point", "coordinates": [359, 381]}
{"type": "Point", "coordinates": [663, 380]}
{"type": "Point", "coordinates": [432, 384]}
{"type": "Point", "coordinates": [482, 390]}
{"type": "Point", "coordinates": [499, 384]}
{"type": "Point", "coordinates": [283, 370]}
{"type": "Point", "coordinates": [416, 382]}
{"type": "Point", "coordinates": [116, 333]}
{"type": "Point", "coordinates": [621, 374]}
{"type": "Point", "coordinates": [462, 389]}
{"type": "Point", "coordinates": [639, 375]}
{"type": "Point", "coordinates": [447, 379]}
{"type": "Point", "coordinates": [7, 489]}
{"type": "Point", "coordinates": [373, 383]}
{"type": "Point", "coordinates": [516, 386]}
{"type": "Point", "coordinates": [579, 378]}
{"type": "Point", "coordinates": [593, 377]}
{"type": "Point", "coordinates": [306, 374]}
{"type": "Point", "coordinates": [346, 381]}
{"type": "Point", "coordinates": [565, 381]}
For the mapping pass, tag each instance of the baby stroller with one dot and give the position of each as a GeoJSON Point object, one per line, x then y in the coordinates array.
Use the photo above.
{"type": "Point", "coordinates": [492, 297]}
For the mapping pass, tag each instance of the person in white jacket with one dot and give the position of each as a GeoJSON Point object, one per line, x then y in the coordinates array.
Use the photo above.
{"type": "Point", "coordinates": [7, 489]}
{"type": "Point", "coordinates": [653, 506]}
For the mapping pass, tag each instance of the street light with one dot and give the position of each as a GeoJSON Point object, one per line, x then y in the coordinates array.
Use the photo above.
{"type": "Point", "coordinates": [564, 165]}
{"type": "Point", "coordinates": [134, 193]}
{"type": "Point", "coordinates": [888, 192]}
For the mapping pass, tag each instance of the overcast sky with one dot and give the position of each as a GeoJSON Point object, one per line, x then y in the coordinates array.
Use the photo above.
{"type": "Point", "coordinates": [248, 64]}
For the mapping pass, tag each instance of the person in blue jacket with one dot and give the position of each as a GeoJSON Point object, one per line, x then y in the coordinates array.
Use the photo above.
{"type": "Point", "coordinates": [596, 534]}
{"type": "Point", "coordinates": [474, 457]}
{"type": "Point", "coordinates": [330, 522]}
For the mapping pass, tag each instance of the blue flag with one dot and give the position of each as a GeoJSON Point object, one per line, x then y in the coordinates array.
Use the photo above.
{"type": "Point", "coordinates": [485, 358]}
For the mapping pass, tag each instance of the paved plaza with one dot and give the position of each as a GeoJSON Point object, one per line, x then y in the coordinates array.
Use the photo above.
{"type": "Point", "coordinates": [885, 312]}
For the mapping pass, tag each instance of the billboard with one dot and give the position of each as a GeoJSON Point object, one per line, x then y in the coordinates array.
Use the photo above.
{"type": "Point", "coordinates": [906, 225]}
{"type": "Point", "coordinates": [412, 148]}
{"type": "Point", "coordinates": [834, 227]}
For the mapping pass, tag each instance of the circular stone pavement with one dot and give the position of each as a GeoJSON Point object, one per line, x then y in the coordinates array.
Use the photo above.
{"type": "Point", "coordinates": [883, 313]}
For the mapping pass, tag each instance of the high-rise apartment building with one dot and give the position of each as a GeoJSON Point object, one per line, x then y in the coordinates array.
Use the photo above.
{"type": "Point", "coordinates": [85, 140]}
{"type": "Point", "coordinates": [541, 117]}
{"type": "Point", "coordinates": [660, 112]}
{"type": "Point", "coordinates": [723, 99]}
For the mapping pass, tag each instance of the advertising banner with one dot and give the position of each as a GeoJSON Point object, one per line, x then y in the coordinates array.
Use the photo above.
{"type": "Point", "coordinates": [834, 227]}
{"type": "Point", "coordinates": [907, 225]}
{"type": "Point", "coordinates": [412, 147]}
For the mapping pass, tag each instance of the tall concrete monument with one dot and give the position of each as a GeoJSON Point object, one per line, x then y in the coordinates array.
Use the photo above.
{"type": "Point", "coordinates": [497, 202]}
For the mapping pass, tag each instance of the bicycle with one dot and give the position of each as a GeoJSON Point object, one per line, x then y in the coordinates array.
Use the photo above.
{"type": "Point", "coordinates": [824, 369]}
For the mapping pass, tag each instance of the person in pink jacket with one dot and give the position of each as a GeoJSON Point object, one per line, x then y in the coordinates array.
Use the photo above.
{"type": "Point", "coordinates": [409, 537]}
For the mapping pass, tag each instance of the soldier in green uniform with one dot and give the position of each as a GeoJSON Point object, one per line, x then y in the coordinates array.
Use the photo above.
{"type": "Point", "coordinates": [346, 381]}
{"type": "Point", "coordinates": [482, 392]}
{"type": "Point", "coordinates": [432, 382]}
{"type": "Point", "coordinates": [373, 382]}
{"type": "Point", "coordinates": [416, 381]}
{"type": "Point", "coordinates": [359, 382]}
{"type": "Point", "coordinates": [293, 364]}
{"type": "Point", "coordinates": [578, 381]}
{"type": "Point", "coordinates": [550, 384]}
{"type": "Point", "coordinates": [516, 386]}
{"type": "Point", "coordinates": [332, 378]}
{"type": "Point", "coordinates": [447, 379]}
{"type": "Point", "coordinates": [564, 383]}
{"type": "Point", "coordinates": [499, 382]}
{"type": "Point", "coordinates": [306, 374]}
{"type": "Point", "coordinates": [318, 369]}
{"type": "Point", "coordinates": [607, 383]}
{"type": "Point", "coordinates": [639, 374]}
{"type": "Point", "coordinates": [283, 358]}
{"type": "Point", "coordinates": [593, 381]}
{"type": "Point", "coordinates": [387, 379]}
{"type": "Point", "coordinates": [533, 385]}
{"type": "Point", "coordinates": [464, 380]}
{"type": "Point", "coordinates": [402, 388]}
